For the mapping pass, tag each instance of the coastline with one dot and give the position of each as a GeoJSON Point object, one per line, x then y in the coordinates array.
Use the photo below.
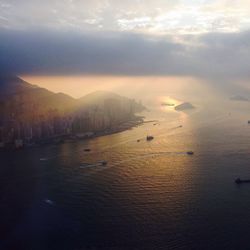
{"type": "Point", "coordinates": [124, 126]}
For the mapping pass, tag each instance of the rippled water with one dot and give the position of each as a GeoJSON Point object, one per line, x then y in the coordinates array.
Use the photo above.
{"type": "Point", "coordinates": [150, 195]}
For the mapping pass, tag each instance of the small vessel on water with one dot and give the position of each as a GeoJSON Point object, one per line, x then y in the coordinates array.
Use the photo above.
{"type": "Point", "coordinates": [87, 149]}
{"type": "Point", "coordinates": [138, 140]}
{"type": "Point", "coordinates": [104, 163]}
{"type": "Point", "coordinates": [190, 152]}
{"type": "Point", "coordinates": [43, 159]}
{"type": "Point", "coordinates": [50, 202]}
{"type": "Point", "coordinates": [150, 138]}
{"type": "Point", "coordinates": [248, 121]}
{"type": "Point", "coordinates": [239, 181]}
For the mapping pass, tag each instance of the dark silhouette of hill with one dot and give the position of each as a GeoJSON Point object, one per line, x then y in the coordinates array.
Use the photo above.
{"type": "Point", "coordinates": [30, 113]}
{"type": "Point", "coordinates": [10, 85]}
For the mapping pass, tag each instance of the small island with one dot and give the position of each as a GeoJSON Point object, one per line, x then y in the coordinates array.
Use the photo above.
{"type": "Point", "coordinates": [184, 106]}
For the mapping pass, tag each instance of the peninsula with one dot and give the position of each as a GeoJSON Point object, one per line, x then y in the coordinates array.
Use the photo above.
{"type": "Point", "coordinates": [33, 115]}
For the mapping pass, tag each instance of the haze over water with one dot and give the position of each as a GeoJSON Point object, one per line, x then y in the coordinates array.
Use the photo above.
{"type": "Point", "coordinates": [151, 195]}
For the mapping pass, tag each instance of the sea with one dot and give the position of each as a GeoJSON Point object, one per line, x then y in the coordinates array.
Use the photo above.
{"type": "Point", "coordinates": [149, 195]}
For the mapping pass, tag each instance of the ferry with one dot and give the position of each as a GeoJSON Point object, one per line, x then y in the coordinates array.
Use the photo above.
{"type": "Point", "coordinates": [150, 138]}
{"type": "Point", "coordinates": [43, 159]}
{"type": "Point", "coordinates": [104, 163]}
{"type": "Point", "coordinates": [239, 181]}
{"type": "Point", "coordinates": [50, 202]}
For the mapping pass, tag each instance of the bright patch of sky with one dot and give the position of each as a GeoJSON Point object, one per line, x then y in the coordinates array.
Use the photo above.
{"type": "Point", "coordinates": [150, 16]}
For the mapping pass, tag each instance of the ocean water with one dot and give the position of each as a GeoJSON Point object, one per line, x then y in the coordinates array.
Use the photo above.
{"type": "Point", "coordinates": [150, 195]}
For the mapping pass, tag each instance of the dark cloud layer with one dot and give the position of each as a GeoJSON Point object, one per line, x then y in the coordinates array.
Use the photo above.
{"type": "Point", "coordinates": [211, 56]}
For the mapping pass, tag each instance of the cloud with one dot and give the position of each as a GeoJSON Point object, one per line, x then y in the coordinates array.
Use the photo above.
{"type": "Point", "coordinates": [211, 56]}
{"type": "Point", "coordinates": [153, 16]}
{"type": "Point", "coordinates": [75, 14]}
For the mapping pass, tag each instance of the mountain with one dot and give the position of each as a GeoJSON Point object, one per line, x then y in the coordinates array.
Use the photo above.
{"type": "Point", "coordinates": [10, 85]}
{"type": "Point", "coordinates": [18, 95]}
{"type": "Point", "coordinates": [30, 113]}
{"type": "Point", "coordinates": [99, 98]}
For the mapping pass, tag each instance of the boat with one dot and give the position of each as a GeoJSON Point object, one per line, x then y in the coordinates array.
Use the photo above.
{"type": "Point", "coordinates": [248, 122]}
{"type": "Point", "coordinates": [50, 202]}
{"type": "Point", "coordinates": [104, 163]}
{"type": "Point", "coordinates": [190, 152]}
{"type": "Point", "coordinates": [43, 159]}
{"type": "Point", "coordinates": [150, 138]}
{"type": "Point", "coordinates": [138, 140]}
{"type": "Point", "coordinates": [87, 149]}
{"type": "Point", "coordinates": [239, 181]}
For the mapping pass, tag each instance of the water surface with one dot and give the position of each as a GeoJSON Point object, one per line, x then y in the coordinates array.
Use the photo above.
{"type": "Point", "coordinates": [151, 195]}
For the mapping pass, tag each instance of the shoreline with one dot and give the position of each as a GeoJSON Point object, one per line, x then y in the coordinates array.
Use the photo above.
{"type": "Point", "coordinates": [124, 126]}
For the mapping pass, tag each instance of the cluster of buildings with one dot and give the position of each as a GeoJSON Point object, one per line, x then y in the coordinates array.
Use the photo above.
{"type": "Point", "coordinates": [26, 127]}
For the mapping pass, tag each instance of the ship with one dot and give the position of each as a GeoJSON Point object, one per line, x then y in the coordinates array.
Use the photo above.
{"type": "Point", "coordinates": [239, 181]}
{"type": "Point", "coordinates": [150, 138]}
{"type": "Point", "coordinates": [104, 163]}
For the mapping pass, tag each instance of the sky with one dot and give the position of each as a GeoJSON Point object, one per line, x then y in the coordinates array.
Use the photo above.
{"type": "Point", "coordinates": [205, 39]}
{"type": "Point", "coordinates": [153, 16]}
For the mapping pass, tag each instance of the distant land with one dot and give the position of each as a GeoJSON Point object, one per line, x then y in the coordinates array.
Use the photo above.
{"type": "Point", "coordinates": [239, 98]}
{"type": "Point", "coordinates": [32, 115]}
{"type": "Point", "coordinates": [167, 104]}
{"type": "Point", "coordinates": [184, 106]}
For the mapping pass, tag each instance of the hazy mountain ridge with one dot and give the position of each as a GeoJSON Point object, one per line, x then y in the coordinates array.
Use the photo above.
{"type": "Point", "coordinates": [98, 98]}
{"type": "Point", "coordinates": [31, 113]}
{"type": "Point", "coordinates": [11, 85]}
